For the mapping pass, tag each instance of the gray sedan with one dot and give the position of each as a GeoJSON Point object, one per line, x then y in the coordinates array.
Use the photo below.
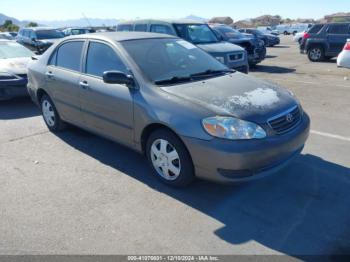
{"type": "Point", "coordinates": [164, 97]}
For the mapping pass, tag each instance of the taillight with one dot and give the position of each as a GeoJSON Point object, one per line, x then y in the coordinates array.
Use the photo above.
{"type": "Point", "coordinates": [306, 36]}
{"type": "Point", "coordinates": [347, 46]}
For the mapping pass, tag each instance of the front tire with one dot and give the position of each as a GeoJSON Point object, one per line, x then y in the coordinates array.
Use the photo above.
{"type": "Point", "coordinates": [50, 115]}
{"type": "Point", "coordinates": [316, 54]}
{"type": "Point", "coordinates": [169, 158]}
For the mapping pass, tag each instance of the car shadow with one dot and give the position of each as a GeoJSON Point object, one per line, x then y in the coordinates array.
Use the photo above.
{"type": "Point", "coordinates": [302, 210]}
{"type": "Point", "coordinates": [272, 69]}
{"type": "Point", "coordinates": [270, 56]}
{"type": "Point", "coordinates": [280, 46]}
{"type": "Point", "coordinates": [18, 108]}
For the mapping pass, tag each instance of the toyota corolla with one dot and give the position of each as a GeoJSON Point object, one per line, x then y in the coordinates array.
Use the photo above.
{"type": "Point", "coordinates": [164, 97]}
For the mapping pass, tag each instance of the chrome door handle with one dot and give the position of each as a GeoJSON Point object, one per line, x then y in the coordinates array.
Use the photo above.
{"type": "Point", "coordinates": [84, 84]}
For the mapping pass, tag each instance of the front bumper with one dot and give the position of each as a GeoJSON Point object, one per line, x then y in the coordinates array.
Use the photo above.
{"type": "Point", "coordinates": [13, 88]}
{"type": "Point", "coordinates": [239, 161]}
{"type": "Point", "coordinates": [257, 56]}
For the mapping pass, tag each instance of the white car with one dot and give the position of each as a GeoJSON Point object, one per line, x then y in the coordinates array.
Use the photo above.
{"type": "Point", "coordinates": [267, 30]}
{"type": "Point", "coordinates": [344, 57]}
{"type": "Point", "coordinates": [298, 37]}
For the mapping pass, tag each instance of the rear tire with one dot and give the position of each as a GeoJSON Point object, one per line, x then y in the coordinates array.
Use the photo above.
{"type": "Point", "coordinates": [50, 114]}
{"type": "Point", "coordinates": [316, 54]}
{"type": "Point", "coordinates": [169, 158]}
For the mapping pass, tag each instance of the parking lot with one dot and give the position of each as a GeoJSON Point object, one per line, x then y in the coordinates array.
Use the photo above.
{"type": "Point", "coordinates": [76, 193]}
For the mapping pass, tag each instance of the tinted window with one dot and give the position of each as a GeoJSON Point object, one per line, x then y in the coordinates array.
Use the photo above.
{"type": "Point", "coordinates": [230, 32]}
{"type": "Point", "coordinates": [101, 58]}
{"type": "Point", "coordinates": [69, 55]}
{"type": "Point", "coordinates": [338, 29]}
{"type": "Point", "coordinates": [49, 34]}
{"type": "Point", "coordinates": [124, 28]}
{"type": "Point", "coordinates": [26, 33]}
{"type": "Point", "coordinates": [162, 29]}
{"type": "Point", "coordinates": [315, 29]}
{"type": "Point", "coordinates": [141, 28]}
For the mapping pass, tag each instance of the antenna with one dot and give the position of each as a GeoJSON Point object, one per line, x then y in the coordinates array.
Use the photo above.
{"type": "Point", "coordinates": [87, 20]}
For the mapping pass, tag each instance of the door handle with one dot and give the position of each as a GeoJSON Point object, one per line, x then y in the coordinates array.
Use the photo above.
{"type": "Point", "coordinates": [84, 84]}
{"type": "Point", "coordinates": [49, 74]}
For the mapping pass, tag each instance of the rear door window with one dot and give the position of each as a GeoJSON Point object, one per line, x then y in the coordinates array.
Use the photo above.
{"type": "Point", "coordinates": [69, 55]}
{"type": "Point", "coordinates": [340, 29]}
{"type": "Point", "coordinates": [141, 28]}
{"type": "Point", "coordinates": [162, 29]}
{"type": "Point", "coordinates": [102, 58]}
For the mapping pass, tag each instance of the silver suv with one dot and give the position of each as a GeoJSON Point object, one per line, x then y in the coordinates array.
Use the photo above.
{"type": "Point", "coordinates": [197, 33]}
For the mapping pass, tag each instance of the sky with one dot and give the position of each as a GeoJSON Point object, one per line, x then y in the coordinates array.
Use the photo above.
{"type": "Point", "coordinates": [123, 9]}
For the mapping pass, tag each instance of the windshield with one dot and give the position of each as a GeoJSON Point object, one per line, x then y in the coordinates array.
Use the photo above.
{"type": "Point", "coordinates": [49, 34]}
{"type": "Point", "coordinates": [230, 32]}
{"type": "Point", "coordinates": [168, 59]}
{"type": "Point", "coordinates": [13, 50]}
{"type": "Point", "coordinates": [196, 33]}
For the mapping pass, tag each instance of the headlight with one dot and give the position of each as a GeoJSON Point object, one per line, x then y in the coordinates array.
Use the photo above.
{"type": "Point", "coordinates": [220, 59]}
{"type": "Point", "coordinates": [232, 128]}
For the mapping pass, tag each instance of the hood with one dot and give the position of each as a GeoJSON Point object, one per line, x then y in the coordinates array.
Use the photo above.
{"type": "Point", "coordinates": [237, 95]}
{"type": "Point", "coordinates": [14, 65]}
{"type": "Point", "coordinates": [221, 47]}
{"type": "Point", "coordinates": [271, 35]}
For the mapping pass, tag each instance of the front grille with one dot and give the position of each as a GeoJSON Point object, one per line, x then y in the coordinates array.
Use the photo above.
{"type": "Point", "coordinates": [285, 121]}
{"type": "Point", "coordinates": [235, 57]}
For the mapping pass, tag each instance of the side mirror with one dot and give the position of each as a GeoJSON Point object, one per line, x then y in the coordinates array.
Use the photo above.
{"type": "Point", "coordinates": [33, 40]}
{"type": "Point", "coordinates": [117, 77]}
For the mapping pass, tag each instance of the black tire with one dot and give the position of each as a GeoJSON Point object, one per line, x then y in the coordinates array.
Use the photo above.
{"type": "Point", "coordinates": [58, 124]}
{"type": "Point", "coordinates": [285, 33]}
{"type": "Point", "coordinates": [316, 54]}
{"type": "Point", "coordinates": [186, 175]}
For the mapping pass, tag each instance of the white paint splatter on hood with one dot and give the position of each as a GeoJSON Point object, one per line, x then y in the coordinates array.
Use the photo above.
{"type": "Point", "coordinates": [260, 97]}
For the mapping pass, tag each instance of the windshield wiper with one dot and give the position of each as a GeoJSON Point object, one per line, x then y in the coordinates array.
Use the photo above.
{"type": "Point", "coordinates": [173, 80]}
{"type": "Point", "coordinates": [210, 72]}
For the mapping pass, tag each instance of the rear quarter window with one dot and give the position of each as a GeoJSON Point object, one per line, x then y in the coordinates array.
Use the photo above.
{"type": "Point", "coordinates": [338, 29]}
{"type": "Point", "coordinates": [315, 29]}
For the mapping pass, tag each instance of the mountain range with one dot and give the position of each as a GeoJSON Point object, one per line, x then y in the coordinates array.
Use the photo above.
{"type": "Point", "coordinates": [80, 22]}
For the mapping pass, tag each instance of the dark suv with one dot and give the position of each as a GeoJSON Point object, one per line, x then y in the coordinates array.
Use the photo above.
{"type": "Point", "coordinates": [325, 41]}
{"type": "Point", "coordinates": [38, 39]}
{"type": "Point", "coordinates": [255, 47]}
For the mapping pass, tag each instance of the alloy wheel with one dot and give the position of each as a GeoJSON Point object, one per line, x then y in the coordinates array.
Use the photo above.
{"type": "Point", "coordinates": [315, 54]}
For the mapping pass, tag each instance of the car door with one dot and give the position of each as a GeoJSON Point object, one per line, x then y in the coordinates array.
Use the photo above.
{"type": "Point", "coordinates": [107, 108]}
{"type": "Point", "coordinates": [62, 76]}
{"type": "Point", "coordinates": [337, 36]}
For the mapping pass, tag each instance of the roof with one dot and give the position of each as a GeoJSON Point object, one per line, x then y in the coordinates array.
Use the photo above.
{"type": "Point", "coordinates": [170, 21]}
{"type": "Point", "coordinates": [121, 36]}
